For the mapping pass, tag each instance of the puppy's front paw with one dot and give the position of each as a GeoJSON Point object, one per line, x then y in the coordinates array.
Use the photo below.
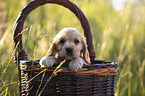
{"type": "Point", "coordinates": [76, 64]}
{"type": "Point", "coordinates": [47, 61]}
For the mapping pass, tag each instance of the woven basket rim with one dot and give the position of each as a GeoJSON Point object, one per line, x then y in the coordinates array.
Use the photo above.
{"type": "Point", "coordinates": [108, 68]}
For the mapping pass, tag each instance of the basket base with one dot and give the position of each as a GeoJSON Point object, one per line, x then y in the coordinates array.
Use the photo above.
{"type": "Point", "coordinates": [71, 85]}
{"type": "Point", "coordinates": [64, 84]}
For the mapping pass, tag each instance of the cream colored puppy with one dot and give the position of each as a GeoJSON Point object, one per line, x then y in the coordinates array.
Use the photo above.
{"type": "Point", "coordinates": [70, 45]}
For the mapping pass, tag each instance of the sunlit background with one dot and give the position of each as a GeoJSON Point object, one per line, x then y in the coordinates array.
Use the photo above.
{"type": "Point", "coordinates": [118, 28]}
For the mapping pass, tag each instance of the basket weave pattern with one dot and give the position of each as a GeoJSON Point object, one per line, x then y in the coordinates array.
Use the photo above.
{"type": "Point", "coordinates": [79, 85]}
{"type": "Point", "coordinates": [92, 80]}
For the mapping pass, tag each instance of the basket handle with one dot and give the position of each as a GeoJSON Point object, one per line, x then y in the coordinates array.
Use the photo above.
{"type": "Point", "coordinates": [20, 52]}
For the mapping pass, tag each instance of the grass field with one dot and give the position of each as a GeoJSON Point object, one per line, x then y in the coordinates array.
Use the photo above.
{"type": "Point", "coordinates": [117, 35]}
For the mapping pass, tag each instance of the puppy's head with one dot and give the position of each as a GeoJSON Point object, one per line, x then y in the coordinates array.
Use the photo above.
{"type": "Point", "coordinates": [69, 44]}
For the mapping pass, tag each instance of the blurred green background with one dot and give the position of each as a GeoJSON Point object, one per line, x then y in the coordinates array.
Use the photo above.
{"type": "Point", "coordinates": [118, 34]}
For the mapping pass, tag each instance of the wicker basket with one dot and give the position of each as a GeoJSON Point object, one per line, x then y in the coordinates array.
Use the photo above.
{"type": "Point", "coordinates": [95, 79]}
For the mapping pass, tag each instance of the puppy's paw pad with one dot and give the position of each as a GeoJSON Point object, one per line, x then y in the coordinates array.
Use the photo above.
{"type": "Point", "coordinates": [76, 64]}
{"type": "Point", "coordinates": [47, 61]}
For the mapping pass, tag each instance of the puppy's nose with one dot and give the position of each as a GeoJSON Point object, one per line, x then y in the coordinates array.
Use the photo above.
{"type": "Point", "coordinates": [69, 50]}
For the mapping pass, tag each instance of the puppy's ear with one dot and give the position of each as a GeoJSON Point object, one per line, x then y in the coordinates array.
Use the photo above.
{"type": "Point", "coordinates": [85, 52]}
{"type": "Point", "coordinates": [53, 49]}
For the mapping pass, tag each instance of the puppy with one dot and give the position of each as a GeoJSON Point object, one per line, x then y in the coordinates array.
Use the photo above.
{"type": "Point", "coordinates": [70, 45]}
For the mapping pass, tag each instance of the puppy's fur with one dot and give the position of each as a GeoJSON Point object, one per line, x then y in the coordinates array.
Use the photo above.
{"type": "Point", "coordinates": [70, 45]}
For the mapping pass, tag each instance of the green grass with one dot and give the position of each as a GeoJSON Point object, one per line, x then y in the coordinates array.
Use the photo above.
{"type": "Point", "coordinates": [117, 35]}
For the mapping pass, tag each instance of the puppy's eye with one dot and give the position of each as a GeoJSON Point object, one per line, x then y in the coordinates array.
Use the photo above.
{"type": "Point", "coordinates": [62, 41]}
{"type": "Point", "coordinates": [76, 41]}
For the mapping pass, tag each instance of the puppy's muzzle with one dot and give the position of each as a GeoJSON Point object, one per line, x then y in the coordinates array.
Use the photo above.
{"type": "Point", "coordinates": [69, 51]}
